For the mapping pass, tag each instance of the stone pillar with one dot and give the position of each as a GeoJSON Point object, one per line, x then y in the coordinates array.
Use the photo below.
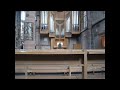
{"type": "Point", "coordinates": [17, 29]}
{"type": "Point", "coordinates": [30, 17]}
{"type": "Point", "coordinates": [37, 30]}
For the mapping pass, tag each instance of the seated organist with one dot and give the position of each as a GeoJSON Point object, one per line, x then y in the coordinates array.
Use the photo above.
{"type": "Point", "coordinates": [60, 45]}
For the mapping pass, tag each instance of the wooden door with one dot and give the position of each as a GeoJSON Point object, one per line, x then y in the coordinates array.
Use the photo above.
{"type": "Point", "coordinates": [103, 41]}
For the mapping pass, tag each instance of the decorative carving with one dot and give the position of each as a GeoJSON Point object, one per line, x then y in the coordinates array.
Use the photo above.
{"type": "Point", "coordinates": [28, 31]}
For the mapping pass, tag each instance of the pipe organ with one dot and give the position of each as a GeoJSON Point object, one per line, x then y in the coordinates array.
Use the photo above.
{"type": "Point", "coordinates": [59, 26]}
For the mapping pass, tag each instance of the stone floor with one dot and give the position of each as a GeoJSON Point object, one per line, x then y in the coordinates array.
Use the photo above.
{"type": "Point", "coordinates": [93, 76]}
{"type": "Point", "coordinates": [100, 75]}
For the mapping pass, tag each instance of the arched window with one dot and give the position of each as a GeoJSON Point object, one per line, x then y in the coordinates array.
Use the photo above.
{"type": "Point", "coordinates": [23, 15]}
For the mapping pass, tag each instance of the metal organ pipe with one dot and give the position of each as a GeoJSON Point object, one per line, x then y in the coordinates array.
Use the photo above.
{"type": "Point", "coordinates": [46, 15]}
{"type": "Point", "coordinates": [72, 19]}
{"type": "Point", "coordinates": [43, 19]}
{"type": "Point", "coordinates": [77, 16]}
{"type": "Point", "coordinates": [50, 24]}
{"type": "Point", "coordinates": [53, 23]}
{"type": "Point", "coordinates": [69, 24]}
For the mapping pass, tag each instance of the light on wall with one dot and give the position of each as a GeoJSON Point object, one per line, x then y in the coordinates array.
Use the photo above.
{"type": "Point", "coordinates": [96, 30]}
{"type": "Point", "coordinates": [23, 15]}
